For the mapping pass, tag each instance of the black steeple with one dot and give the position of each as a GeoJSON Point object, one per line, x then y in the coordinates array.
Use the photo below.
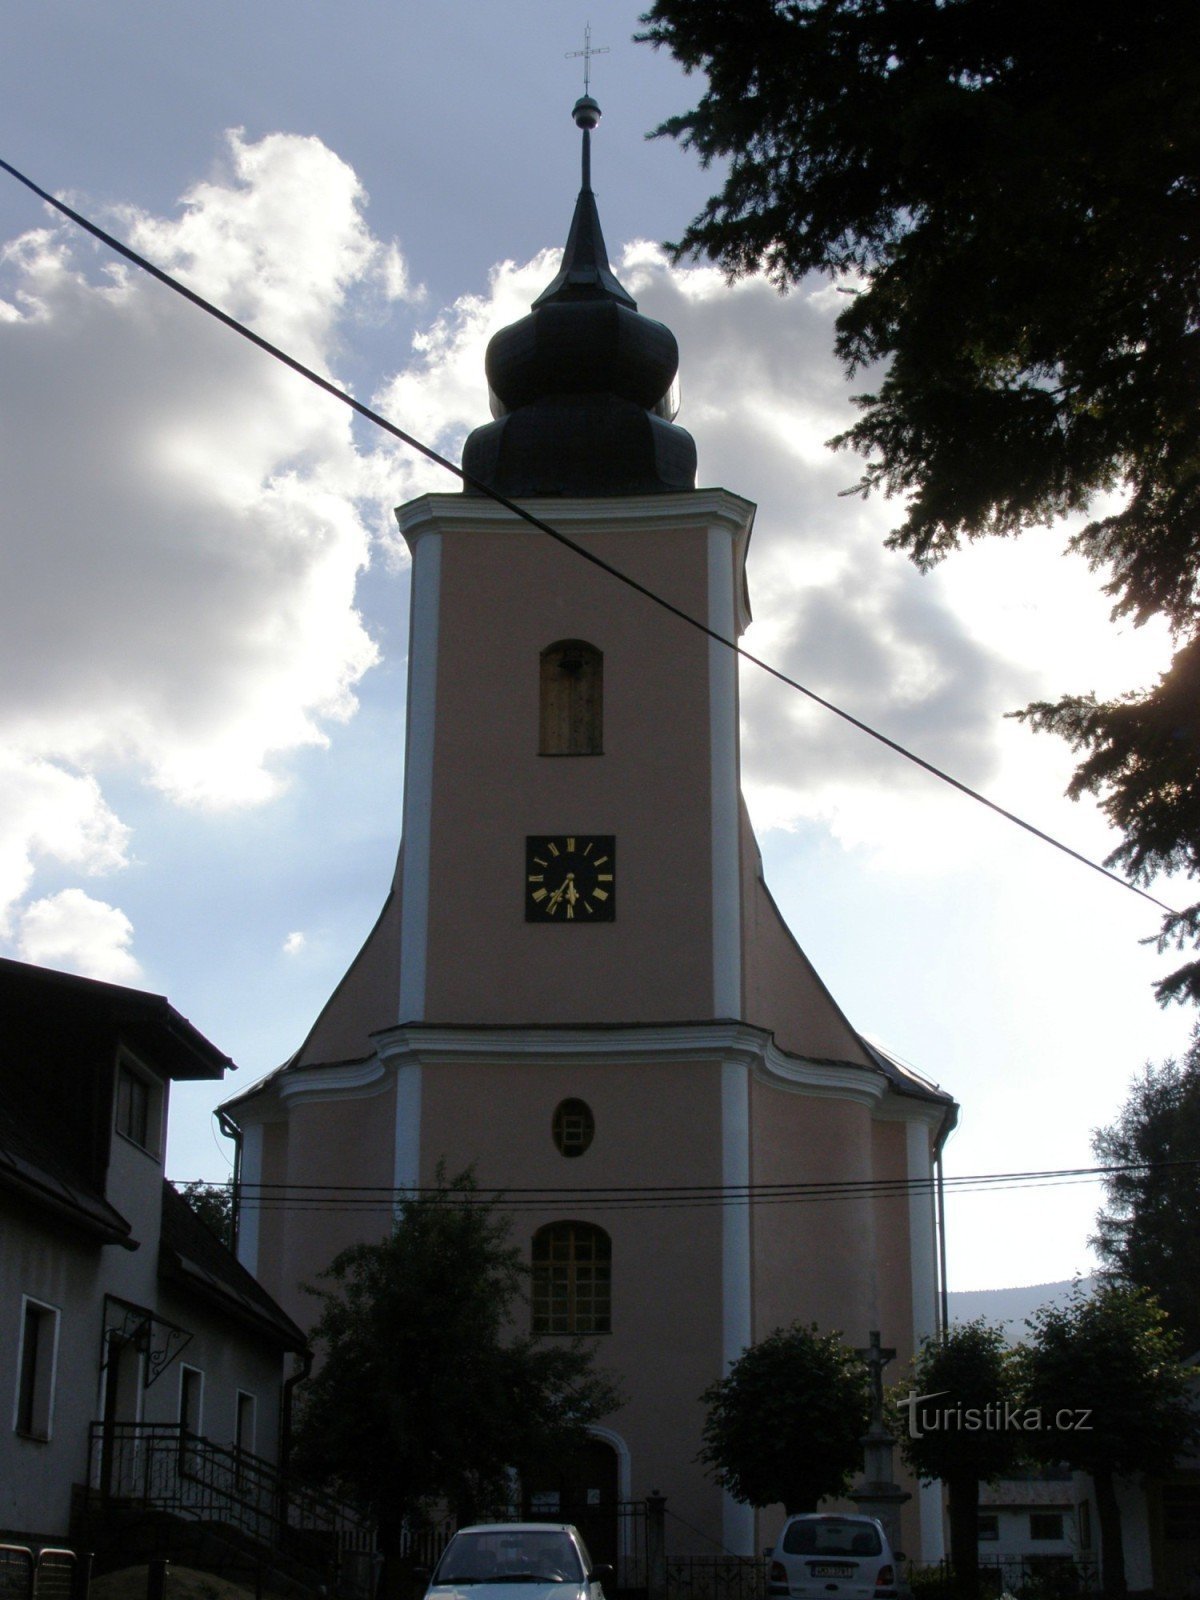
{"type": "Point", "coordinates": [581, 387]}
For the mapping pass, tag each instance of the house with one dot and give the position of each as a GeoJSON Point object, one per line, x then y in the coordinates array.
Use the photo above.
{"type": "Point", "coordinates": [579, 984]}
{"type": "Point", "coordinates": [123, 1319]}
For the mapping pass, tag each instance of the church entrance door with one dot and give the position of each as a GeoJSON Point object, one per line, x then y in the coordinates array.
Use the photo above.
{"type": "Point", "coordinates": [586, 1494]}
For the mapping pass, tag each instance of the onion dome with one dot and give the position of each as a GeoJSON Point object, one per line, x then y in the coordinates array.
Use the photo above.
{"type": "Point", "coordinates": [581, 388]}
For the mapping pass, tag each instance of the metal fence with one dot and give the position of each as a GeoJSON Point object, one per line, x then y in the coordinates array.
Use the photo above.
{"type": "Point", "coordinates": [717, 1578]}
{"type": "Point", "coordinates": [1057, 1577]}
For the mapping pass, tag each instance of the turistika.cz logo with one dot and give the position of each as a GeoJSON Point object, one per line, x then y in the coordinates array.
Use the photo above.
{"type": "Point", "coordinates": [1007, 1416]}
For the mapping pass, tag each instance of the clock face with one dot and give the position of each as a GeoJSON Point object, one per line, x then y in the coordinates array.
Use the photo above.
{"type": "Point", "coordinates": [570, 877]}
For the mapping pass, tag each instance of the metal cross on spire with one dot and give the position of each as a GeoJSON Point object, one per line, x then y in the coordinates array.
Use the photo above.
{"type": "Point", "coordinates": [587, 53]}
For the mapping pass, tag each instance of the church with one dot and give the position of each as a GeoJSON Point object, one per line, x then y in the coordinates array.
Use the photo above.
{"type": "Point", "coordinates": [579, 983]}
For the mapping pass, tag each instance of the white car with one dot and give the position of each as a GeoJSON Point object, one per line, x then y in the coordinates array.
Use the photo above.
{"type": "Point", "coordinates": [548, 1559]}
{"type": "Point", "coordinates": [828, 1556]}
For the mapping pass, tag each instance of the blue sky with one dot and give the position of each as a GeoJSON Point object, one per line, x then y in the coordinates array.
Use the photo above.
{"type": "Point", "coordinates": [202, 597]}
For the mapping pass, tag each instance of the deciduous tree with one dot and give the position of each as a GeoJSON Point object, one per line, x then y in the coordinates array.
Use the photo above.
{"type": "Point", "coordinates": [1011, 197]}
{"type": "Point", "coordinates": [954, 1425]}
{"type": "Point", "coordinates": [786, 1422]}
{"type": "Point", "coordinates": [1104, 1374]}
{"type": "Point", "coordinates": [1149, 1233]}
{"type": "Point", "coordinates": [424, 1392]}
{"type": "Point", "coordinates": [213, 1204]}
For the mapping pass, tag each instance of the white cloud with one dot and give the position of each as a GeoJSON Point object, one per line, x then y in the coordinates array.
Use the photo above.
{"type": "Point", "coordinates": [182, 531]}
{"type": "Point", "coordinates": [72, 931]}
{"type": "Point", "coordinates": [47, 812]}
{"type": "Point", "coordinates": [294, 943]}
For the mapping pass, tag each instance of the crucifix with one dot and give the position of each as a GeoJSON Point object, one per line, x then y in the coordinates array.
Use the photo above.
{"type": "Point", "coordinates": [587, 53]}
{"type": "Point", "coordinates": [875, 1358]}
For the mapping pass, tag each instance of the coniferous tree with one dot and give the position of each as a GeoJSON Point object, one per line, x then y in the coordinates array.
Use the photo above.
{"type": "Point", "coordinates": [1149, 1233]}
{"type": "Point", "coordinates": [1010, 195]}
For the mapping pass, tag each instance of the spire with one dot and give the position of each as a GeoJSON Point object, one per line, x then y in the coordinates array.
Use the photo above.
{"type": "Point", "coordinates": [581, 388]}
{"type": "Point", "coordinates": [585, 273]}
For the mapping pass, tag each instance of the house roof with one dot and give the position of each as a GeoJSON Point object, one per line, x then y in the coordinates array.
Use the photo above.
{"type": "Point", "coordinates": [33, 1171]}
{"type": "Point", "coordinates": [145, 1019]}
{"type": "Point", "coordinates": [193, 1258]}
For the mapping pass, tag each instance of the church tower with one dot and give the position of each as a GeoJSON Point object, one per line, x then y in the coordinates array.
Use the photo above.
{"type": "Point", "coordinates": [579, 983]}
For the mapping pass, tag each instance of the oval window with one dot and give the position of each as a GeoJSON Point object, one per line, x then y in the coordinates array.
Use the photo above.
{"type": "Point", "coordinates": [574, 1127]}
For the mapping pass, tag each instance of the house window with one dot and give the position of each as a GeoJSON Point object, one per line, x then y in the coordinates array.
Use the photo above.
{"type": "Point", "coordinates": [36, 1363]}
{"type": "Point", "coordinates": [572, 699]}
{"type": "Point", "coordinates": [574, 1127]}
{"type": "Point", "coordinates": [989, 1526]}
{"type": "Point", "coordinates": [139, 1107]}
{"type": "Point", "coordinates": [1045, 1525]}
{"type": "Point", "coordinates": [572, 1279]}
{"type": "Point", "coordinates": [191, 1397]}
{"type": "Point", "coordinates": [243, 1438]}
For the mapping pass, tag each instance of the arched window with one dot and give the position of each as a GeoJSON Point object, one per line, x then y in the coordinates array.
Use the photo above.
{"type": "Point", "coordinates": [572, 1279]}
{"type": "Point", "coordinates": [572, 699]}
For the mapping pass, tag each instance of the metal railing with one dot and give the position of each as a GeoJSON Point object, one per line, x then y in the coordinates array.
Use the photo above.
{"type": "Point", "coordinates": [163, 1467]}
{"type": "Point", "coordinates": [1027, 1577]}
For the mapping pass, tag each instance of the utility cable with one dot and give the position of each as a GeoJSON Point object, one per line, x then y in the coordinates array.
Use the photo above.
{"type": "Point", "coordinates": [477, 487]}
{"type": "Point", "coordinates": [350, 1197]}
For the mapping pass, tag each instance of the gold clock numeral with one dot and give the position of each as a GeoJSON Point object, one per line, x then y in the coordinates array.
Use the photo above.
{"type": "Point", "coordinates": [604, 877]}
{"type": "Point", "coordinates": [539, 894]}
{"type": "Point", "coordinates": [553, 848]}
{"type": "Point", "coordinates": [599, 894]}
{"type": "Point", "coordinates": [599, 861]}
{"type": "Point", "coordinates": [570, 847]}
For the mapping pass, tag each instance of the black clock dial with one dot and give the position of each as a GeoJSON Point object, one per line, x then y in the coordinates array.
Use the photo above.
{"type": "Point", "coordinates": [570, 877]}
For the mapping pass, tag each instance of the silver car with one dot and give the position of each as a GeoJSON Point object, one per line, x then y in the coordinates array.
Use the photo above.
{"type": "Point", "coordinates": [828, 1556]}
{"type": "Point", "coordinates": [548, 1559]}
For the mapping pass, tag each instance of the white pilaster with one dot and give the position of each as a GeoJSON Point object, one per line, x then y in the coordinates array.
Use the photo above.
{"type": "Point", "coordinates": [922, 1248]}
{"type": "Point", "coordinates": [737, 1328]}
{"type": "Point", "coordinates": [723, 710]}
{"type": "Point", "coordinates": [418, 770]}
{"type": "Point", "coordinates": [251, 1196]}
{"type": "Point", "coordinates": [406, 1170]}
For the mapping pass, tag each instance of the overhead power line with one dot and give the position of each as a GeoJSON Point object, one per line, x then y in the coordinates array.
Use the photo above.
{"type": "Point", "coordinates": [474, 484]}
{"type": "Point", "coordinates": [650, 1197]}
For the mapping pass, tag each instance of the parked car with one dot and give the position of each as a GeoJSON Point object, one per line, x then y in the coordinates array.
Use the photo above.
{"type": "Point", "coordinates": [828, 1556]}
{"type": "Point", "coordinates": [548, 1559]}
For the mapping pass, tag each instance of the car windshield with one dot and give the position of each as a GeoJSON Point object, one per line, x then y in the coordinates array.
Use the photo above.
{"type": "Point", "coordinates": [831, 1536]}
{"type": "Point", "coordinates": [503, 1557]}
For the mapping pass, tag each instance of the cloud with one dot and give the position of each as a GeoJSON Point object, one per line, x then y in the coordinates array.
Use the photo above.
{"type": "Point", "coordinates": [184, 520]}
{"type": "Point", "coordinates": [294, 943]}
{"type": "Point", "coordinates": [47, 812]}
{"type": "Point", "coordinates": [72, 931]}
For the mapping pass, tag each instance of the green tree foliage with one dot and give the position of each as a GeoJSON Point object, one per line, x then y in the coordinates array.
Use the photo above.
{"type": "Point", "coordinates": [786, 1422]}
{"type": "Point", "coordinates": [954, 1426]}
{"type": "Point", "coordinates": [1011, 194]}
{"type": "Point", "coordinates": [1104, 1374]}
{"type": "Point", "coordinates": [1149, 1233]}
{"type": "Point", "coordinates": [213, 1204]}
{"type": "Point", "coordinates": [423, 1392]}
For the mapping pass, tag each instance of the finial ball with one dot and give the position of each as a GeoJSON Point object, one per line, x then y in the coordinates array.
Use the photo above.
{"type": "Point", "coordinates": [586, 112]}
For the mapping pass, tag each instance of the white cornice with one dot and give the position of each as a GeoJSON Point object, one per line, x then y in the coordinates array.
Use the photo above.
{"type": "Point", "coordinates": [587, 514]}
{"type": "Point", "coordinates": [352, 1080]}
{"type": "Point", "coordinates": [724, 1042]}
{"type": "Point", "coordinates": [720, 1042]}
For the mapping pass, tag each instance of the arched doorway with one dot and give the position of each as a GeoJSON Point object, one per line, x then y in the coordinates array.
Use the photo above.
{"type": "Point", "coordinates": [587, 1494]}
